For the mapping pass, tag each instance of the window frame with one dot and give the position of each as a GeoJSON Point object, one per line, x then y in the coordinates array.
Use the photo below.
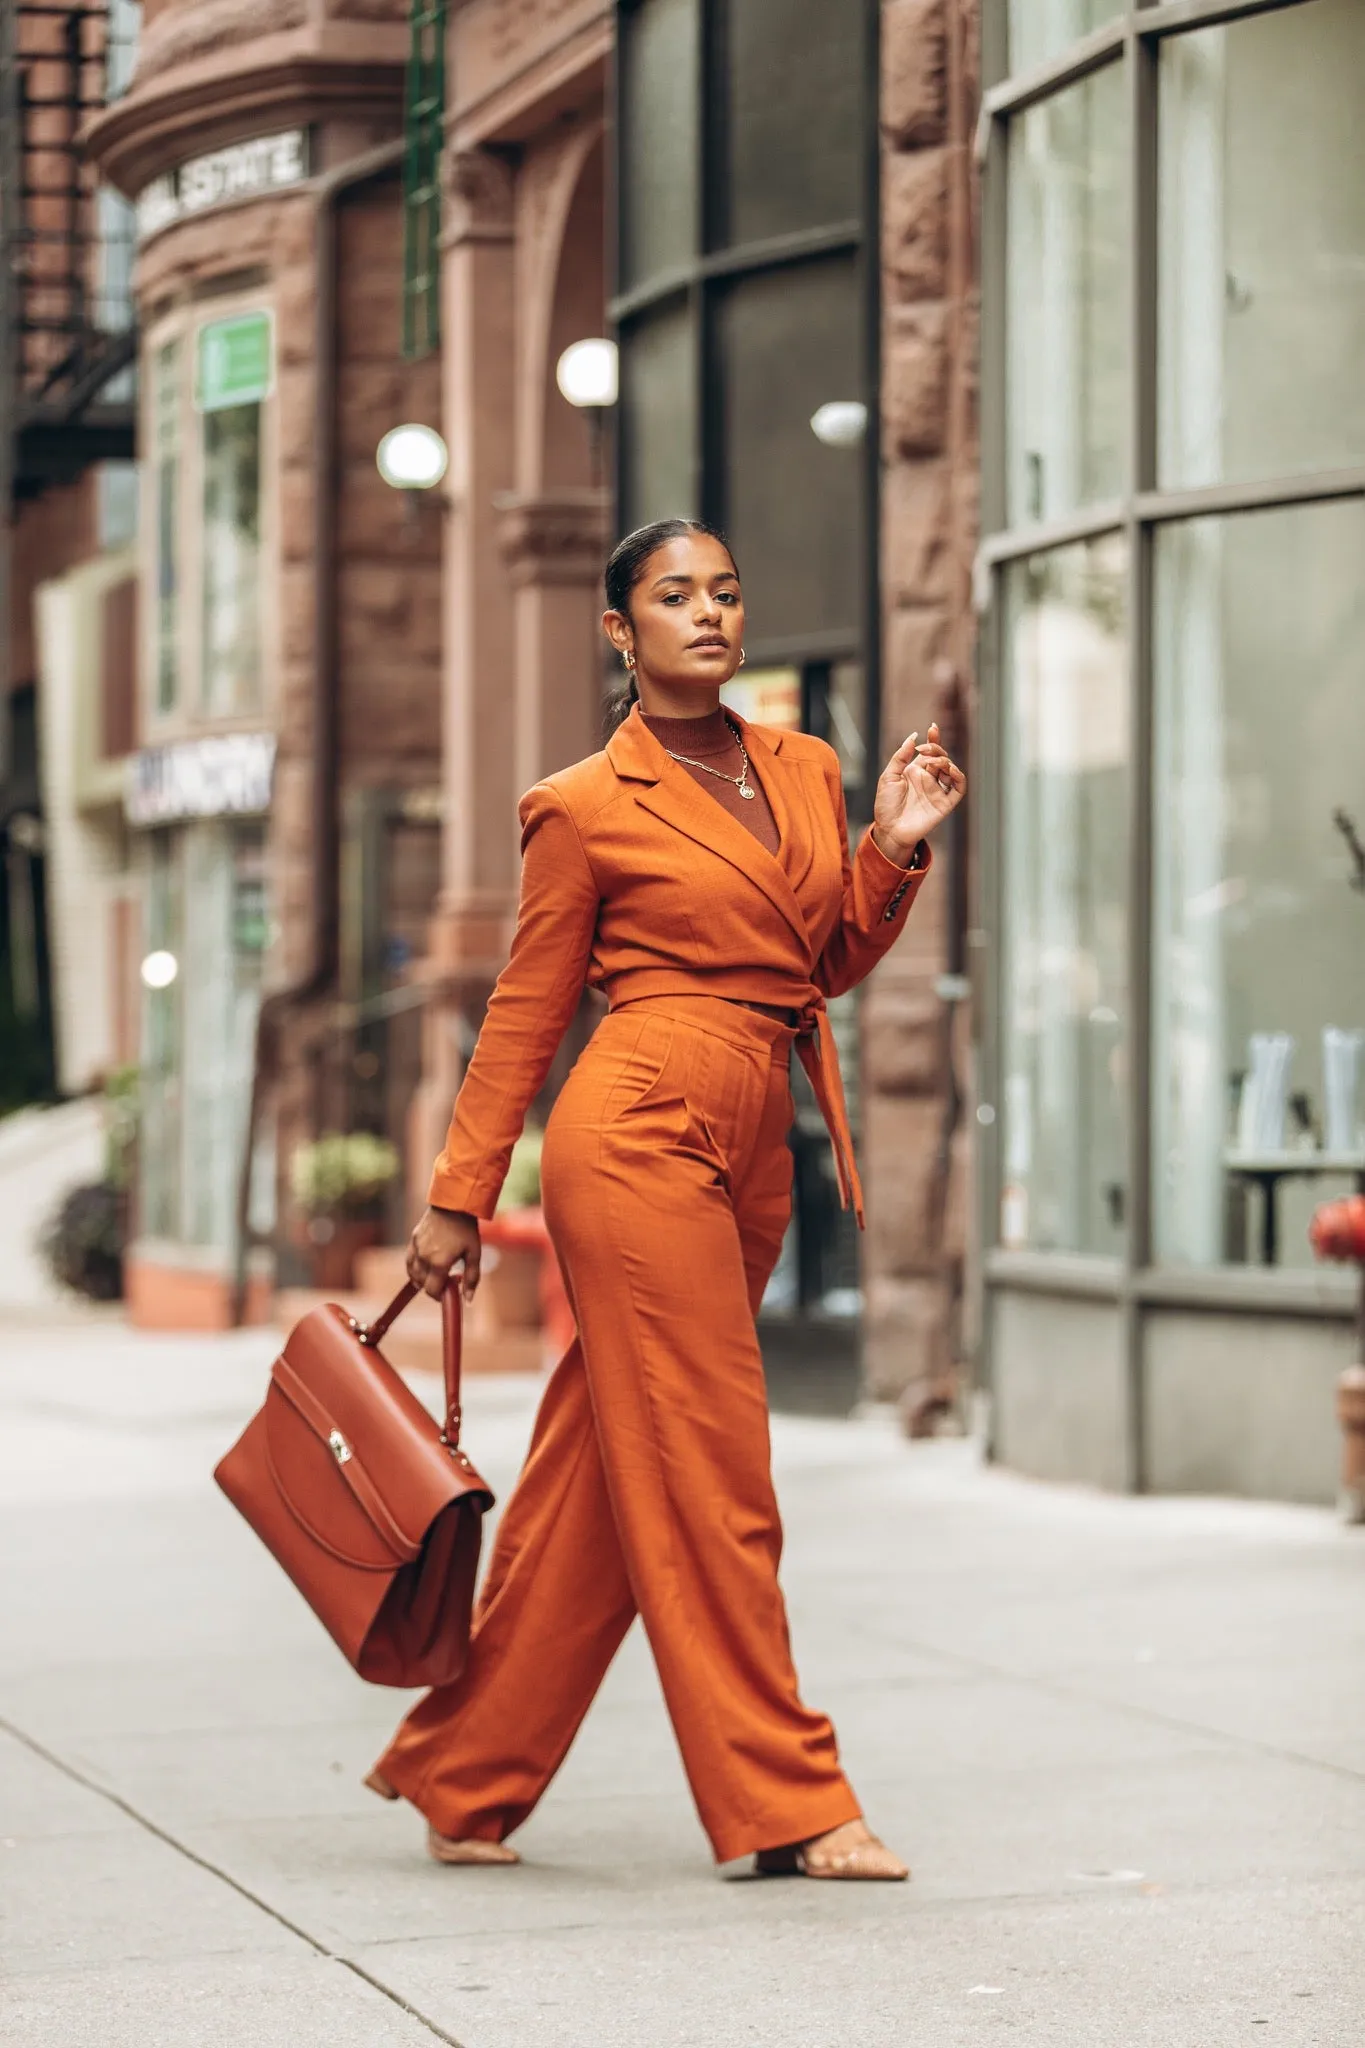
{"type": "Point", "coordinates": [698, 282]}
{"type": "Point", "coordinates": [188, 711]}
{"type": "Point", "coordinates": [1134, 39]}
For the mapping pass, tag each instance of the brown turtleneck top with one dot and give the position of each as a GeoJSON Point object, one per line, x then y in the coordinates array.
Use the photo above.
{"type": "Point", "coordinates": [712, 739]}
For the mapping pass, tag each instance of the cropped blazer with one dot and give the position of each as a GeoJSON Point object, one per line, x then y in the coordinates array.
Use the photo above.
{"type": "Point", "coordinates": [635, 881]}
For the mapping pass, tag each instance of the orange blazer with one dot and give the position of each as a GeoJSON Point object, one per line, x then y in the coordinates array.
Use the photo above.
{"type": "Point", "coordinates": [637, 882]}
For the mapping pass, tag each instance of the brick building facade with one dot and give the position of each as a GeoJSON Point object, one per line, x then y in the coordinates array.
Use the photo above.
{"type": "Point", "coordinates": [460, 630]}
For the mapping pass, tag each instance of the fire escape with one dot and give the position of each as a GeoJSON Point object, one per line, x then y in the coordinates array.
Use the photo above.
{"type": "Point", "coordinates": [66, 335]}
{"type": "Point", "coordinates": [67, 351]}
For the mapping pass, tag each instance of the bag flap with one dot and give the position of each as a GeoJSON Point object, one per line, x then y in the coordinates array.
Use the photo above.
{"type": "Point", "coordinates": [404, 1475]}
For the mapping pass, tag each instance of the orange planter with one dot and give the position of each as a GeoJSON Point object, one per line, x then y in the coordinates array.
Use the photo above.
{"type": "Point", "coordinates": [523, 1230]}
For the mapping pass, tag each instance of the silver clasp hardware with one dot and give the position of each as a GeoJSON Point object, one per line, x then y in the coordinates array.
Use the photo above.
{"type": "Point", "coordinates": [341, 1450]}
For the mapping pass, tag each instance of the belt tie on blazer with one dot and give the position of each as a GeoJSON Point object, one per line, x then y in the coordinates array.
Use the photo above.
{"type": "Point", "coordinates": [818, 1054]}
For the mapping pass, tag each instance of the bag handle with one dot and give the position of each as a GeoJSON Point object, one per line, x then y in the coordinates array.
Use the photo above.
{"type": "Point", "coordinates": [451, 1348]}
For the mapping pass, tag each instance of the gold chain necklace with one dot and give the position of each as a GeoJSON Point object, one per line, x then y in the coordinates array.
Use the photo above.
{"type": "Point", "coordinates": [741, 781]}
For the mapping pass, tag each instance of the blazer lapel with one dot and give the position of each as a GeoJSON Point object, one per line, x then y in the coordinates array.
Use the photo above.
{"type": "Point", "coordinates": [670, 793]}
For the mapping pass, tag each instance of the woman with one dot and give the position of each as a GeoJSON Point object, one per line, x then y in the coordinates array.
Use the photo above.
{"type": "Point", "coordinates": [698, 872]}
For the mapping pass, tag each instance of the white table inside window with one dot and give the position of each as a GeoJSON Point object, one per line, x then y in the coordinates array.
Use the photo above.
{"type": "Point", "coordinates": [1267, 1169]}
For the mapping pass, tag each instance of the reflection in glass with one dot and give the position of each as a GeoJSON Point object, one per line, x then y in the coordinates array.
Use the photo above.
{"type": "Point", "coordinates": [1040, 29]}
{"type": "Point", "coordinates": [159, 1146]}
{"type": "Point", "coordinates": [788, 340]}
{"type": "Point", "coordinates": [1065, 979]}
{"type": "Point", "coordinates": [794, 128]}
{"type": "Point", "coordinates": [223, 953]}
{"type": "Point", "coordinates": [232, 559]}
{"type": "Point", "coordinates": [658, 397]}
{"type": "Point", "coordinates": [766, 696]}
{"type": "Point", "coordinates": [1262, 236]}
{"type": "Point", "coordinates": [1259, 648]}
{"type": "Point", "coordinates": [166, 485]}
{"type": "Point", "coordinates": [1067, 299]}
{"type": "Point", "coordinates": [846, 720]}
{"type": "Point", "coordinates": [658, 57]}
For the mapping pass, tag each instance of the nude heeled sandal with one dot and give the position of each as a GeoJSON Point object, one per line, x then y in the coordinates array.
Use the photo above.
{"type": "Point", "coordinates": [869, 1862]}
{"type": "Point", "coordinates": [445, 1848]}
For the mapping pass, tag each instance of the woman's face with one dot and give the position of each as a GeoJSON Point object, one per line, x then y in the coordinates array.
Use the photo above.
{"type": "Point", "coordinates": [686, 620]}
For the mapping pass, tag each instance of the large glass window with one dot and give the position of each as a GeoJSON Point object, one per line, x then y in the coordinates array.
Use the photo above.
{"type": "Point", "coordinates": [159, 1152]}
{"type": "Point", "coordinates": [658, 400]}
{"type": "Point", "coordinates": [1259, 934]}
{"type": "Point", "coordinates": [659, 49]}
{"type": "Point", "coordinates": [788, 343]}
{"type": "Point", "coordinates": [1207, 602]}
{"type": "Point", "coordinates": [231, 543]}
{"type": "Point", "coordinates": [1067, 722]}
{"type": "Point", "coordinates": [166, 483]}
{"type": "Point", "coordinates": [745, 187]}
{"type": "Point", "coordinates": [1040, 29]}
{"type": "Point", "coordinates": [209, 608]}
{"type": "Point", "coordinates": [1067, 314]}
{"type": "Point", "coordinates": [198, 1026]}
{"type": "Point", "coordinates": [794, 87]}
{"type": "Point", "coordinates": [1262, 232]}
{"type": "Point", "coordinates": [744, 306]}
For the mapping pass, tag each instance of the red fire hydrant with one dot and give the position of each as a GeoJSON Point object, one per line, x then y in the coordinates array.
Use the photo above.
{"type": "Point", "coordinates": [1338, 1232]}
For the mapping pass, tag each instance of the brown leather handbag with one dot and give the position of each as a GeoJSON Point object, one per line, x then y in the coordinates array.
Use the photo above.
{"type": "Point", "coordinates": [370, 1506]}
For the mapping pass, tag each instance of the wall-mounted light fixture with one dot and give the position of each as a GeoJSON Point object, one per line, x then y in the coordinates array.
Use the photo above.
{"type": "Point", "coordinates": [412, 457]}
{"type": "Point", "coordinates": [587, 374]}
{"type": "Point", "coordinates": [159, 969]}
{"type": "Point", "coordinates": [841, 423]}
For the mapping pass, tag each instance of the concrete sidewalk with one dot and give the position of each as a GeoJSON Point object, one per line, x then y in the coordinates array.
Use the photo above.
{"type": "Point", "coordinates": [1122, 1742]}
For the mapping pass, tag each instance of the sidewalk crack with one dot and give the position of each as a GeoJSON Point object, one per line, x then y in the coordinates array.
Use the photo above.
{"type": "Point", "coordinates": [244, 1891]}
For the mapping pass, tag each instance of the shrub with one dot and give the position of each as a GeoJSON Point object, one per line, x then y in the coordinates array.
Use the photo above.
{"type": "Point", "coordinates": [82, 1244]}
{"type": "Point", "coordinates": [344, 1172]}
{"type": "Point", "coordinates": [521, 1189]}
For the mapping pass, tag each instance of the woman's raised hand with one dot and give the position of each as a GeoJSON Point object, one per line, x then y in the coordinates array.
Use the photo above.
{"type": "Point", "coordinates": [919, 786]}
{"type": "Point", "coordinates": [445, 1238]}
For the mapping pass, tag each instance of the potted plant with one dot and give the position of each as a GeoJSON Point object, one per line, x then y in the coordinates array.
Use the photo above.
{"type": "Point", "coordinates": [84, 1240]}
{"type": "Point", "coordinates": [338, 1183]}
{"type": "Point", "coordinates": [513, 1258]}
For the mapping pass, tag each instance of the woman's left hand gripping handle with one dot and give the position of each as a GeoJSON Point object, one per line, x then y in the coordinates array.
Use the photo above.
{"type": "Point", "coordinates": [444, 1239]}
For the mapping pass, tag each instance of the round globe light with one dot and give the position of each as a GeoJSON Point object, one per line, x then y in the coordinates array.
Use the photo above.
{"type": "Point", "coordinates": [841, 423]}
{"type": "Point", "coordinates": [586, 373]}
{"type": "Point", "coordinates": [412, 457]}
{"type": "Point", "coordinates": [159, 969]}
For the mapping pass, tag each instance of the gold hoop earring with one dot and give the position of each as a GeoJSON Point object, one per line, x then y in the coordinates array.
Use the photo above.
{"type": "Point", "coordinates": [743, 657]}
{"type": "Point", "coordinates": [629, 659]}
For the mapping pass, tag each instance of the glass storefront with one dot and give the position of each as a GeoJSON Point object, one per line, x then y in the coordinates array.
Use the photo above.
{"type": "Point", "coordinates": [746, 131]}
{"type": "Point", "coordinates": [208, 417]}
{"type": "Point", "coordinates": [1175, 639]}
{"type": "Point", "coordinates": [1067, 776]}
{"type": "Point", "coordinates": [207, 512]}
{"type": "Point", "coordinates": [206, 911]}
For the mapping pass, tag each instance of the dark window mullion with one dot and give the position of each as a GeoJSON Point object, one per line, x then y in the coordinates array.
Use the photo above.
{"type": "Point", "coordinates": [870, 259]}
{"type": "Point", "coordinates": [713, 114]}
{"type": "Point", "coordinates": [1143, 59]}
{"type": "Point", "coordinates": [711, 410]}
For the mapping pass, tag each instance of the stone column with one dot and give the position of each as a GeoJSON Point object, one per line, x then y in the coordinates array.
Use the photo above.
{"type": "Point", "coordinates": [554, 545]}
{"type": "Point", "coordinates": [915, 1154]}
{"type": "Point", "coordinates": [471, 930]}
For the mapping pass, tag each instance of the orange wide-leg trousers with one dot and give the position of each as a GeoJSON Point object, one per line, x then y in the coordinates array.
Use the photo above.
{"type": "Point", "coordinates": [666, 1179]}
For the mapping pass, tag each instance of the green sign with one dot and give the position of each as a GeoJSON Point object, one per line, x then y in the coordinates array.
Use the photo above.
{"type": "Point", "coordinates": [236, 362]}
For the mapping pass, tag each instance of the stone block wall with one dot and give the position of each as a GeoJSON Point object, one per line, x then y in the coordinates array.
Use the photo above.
{"type": "Point", "coordinates": [389, 544]}
{"type": "Point", "coordinates": [914, 1045]}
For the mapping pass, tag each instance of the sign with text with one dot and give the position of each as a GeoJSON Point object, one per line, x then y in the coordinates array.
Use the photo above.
{"type": "Point", "coordinates": [222, 775]}
{"type": "Point", "coordinates": [244, 170]}
{"type": "Point", "coordinates": [236, 362]}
